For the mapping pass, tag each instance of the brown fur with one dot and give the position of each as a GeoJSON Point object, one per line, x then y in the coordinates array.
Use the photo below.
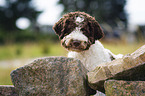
{"type": "Point", "coordinates": [89, 26]}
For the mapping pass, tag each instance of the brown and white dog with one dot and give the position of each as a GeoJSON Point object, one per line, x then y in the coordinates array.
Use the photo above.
{"type": "Point", "coordinates": [79, 33]}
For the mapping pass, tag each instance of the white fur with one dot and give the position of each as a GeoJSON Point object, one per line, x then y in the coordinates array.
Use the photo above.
{"type": "Point", "coordinates": [91, 58]}
{"type": "Point", "coordinates": [79, 19]}
{"type": "Point", "coordinates": [115, 56]}
{"type": "Point", "coordinates": [75, 35]}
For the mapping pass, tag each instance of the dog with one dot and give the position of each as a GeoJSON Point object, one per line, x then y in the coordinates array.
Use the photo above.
{"type": "Point", "coordinates": [80, 34]}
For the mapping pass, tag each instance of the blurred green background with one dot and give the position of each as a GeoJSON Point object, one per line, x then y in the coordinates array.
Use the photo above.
{"type": "Point", "coordinates": [26, 29]}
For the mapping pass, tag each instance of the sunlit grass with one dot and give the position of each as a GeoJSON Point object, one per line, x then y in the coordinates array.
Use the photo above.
{"type": "Point", "coordinates": [122, 48]}
{"type": "Point", "coordinates": [31, 50]}
{"type": "Point", "coordinates": [5, 76]}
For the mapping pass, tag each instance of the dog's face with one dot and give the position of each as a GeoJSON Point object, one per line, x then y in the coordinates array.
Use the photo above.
{"type": "Point", "coordinates": [77, 31]}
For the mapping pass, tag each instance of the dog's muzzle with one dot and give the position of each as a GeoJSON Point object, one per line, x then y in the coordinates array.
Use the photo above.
{"type": "Point", "coordinates": [75, 45]}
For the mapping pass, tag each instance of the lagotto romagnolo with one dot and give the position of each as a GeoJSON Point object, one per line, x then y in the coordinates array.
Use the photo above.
{"type": "Point", "coordinates": [79, 34]}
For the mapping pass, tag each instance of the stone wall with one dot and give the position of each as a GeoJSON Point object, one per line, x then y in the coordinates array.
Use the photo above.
{"type": "Point", "coordinates": [61, 76]}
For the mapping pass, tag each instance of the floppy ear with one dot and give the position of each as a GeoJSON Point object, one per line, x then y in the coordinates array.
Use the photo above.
{"type": "Point", "coordinates": [64, 26]}
{"type": "Point", "coordinates": [58, 27]}
{"type": "Point", "coordinates": [96, 31]}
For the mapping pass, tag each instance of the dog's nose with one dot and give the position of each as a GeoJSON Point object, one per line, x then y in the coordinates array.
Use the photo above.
{"type": "Point", "coordinates": [76, 43]}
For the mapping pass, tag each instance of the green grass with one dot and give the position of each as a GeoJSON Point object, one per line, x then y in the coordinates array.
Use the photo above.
{"type": "Point", "coordinates": [123, 48]}
{"type": "Point", "coordinates": [32, 50]}
{"type": "Point", "coordinates": [5, 76]}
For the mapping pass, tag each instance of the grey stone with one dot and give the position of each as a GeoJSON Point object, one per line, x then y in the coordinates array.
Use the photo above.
{"type": "Point", "coordinates": [124, 88]}
{"type": "Point", "coordinates": [8, 90]}
{"type": "Point", "coordinates": [130, 67]}
{"type": "Point", "coordinates": [53, 76]}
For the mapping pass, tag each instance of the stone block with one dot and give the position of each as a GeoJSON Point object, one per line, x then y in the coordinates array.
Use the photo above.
{"type": "Point", "coordinates": [53, 76]}
{"type": "Point", "coordinates": [8, 90]}
{"type": "Point", "coordinates": [124, 88]}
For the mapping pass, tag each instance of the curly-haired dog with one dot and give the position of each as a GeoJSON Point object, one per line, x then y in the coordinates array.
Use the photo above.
{"type": "Point", "coordinates": [79, 33]}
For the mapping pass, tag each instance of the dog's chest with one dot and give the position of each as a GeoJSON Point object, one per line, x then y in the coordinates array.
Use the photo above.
{"type": "Point", "coordinates": [93, 57]}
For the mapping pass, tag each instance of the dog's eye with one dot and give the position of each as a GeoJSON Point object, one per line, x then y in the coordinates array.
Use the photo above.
{"type": "Point", "coordinates": [65, 34]}
{"type": "Point", "coordinates": [85, 42]}
{"type": "Point", "coordinates": [83, 29]}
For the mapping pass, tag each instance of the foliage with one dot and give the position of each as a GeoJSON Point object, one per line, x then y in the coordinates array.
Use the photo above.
{"type": "Point", "coordinates": [22, 36]}
{"type": "Point", "coordinates": [105, 11]}
{"type": "Point", "coordinates": [13, 10]}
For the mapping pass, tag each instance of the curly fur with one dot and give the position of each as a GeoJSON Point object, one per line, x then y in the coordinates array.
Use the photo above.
{"type": "Point", "coordinates": [79, 33]}
{"type": "Point", "coordinates": [89, 26]}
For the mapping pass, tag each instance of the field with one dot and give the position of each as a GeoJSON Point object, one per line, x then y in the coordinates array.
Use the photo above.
{"type": "Point", "coordinates": [30, 50]}
{"type": "Point", "coordinates": [33, 50]}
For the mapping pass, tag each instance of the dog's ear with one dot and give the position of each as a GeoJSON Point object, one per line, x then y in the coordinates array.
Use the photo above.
{"type": "Point", "coordinates": [95, 29]}
{"type": "Point", "coordinates": [64, 26]}
{"type": "Point", "coordinates": [58, 27]}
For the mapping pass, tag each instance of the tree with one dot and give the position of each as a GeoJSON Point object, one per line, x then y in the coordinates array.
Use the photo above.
{"type": "Point", "coordinates": [105, 11]}
{"type": "Point", "coordinates": [13, 10]}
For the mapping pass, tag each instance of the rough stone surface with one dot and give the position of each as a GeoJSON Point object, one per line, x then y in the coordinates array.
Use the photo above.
{"type": "Point", "coordinates": [53, 76]}
{"type": "Point", "coordinates": [130, 67]}
{"type": "Point", "coordinates": [125, 88]}
{"type": "Point", "coordinates": [7, 90]}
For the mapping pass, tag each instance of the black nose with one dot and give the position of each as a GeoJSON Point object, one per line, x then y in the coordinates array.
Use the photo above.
{"type": "Point", "coordinates": [76, 43]}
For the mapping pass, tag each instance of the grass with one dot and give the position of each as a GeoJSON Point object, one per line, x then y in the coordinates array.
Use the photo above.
{"type": "Point", "coordinates": [122, 48]}
{"type": "Point", "coordinates": [5, 76]}
{"type": "Point", "coordinates": [32, 50]}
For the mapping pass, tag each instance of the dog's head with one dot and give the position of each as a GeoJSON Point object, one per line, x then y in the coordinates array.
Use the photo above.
{"type": "Point", "coordinates": [77, 31]}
